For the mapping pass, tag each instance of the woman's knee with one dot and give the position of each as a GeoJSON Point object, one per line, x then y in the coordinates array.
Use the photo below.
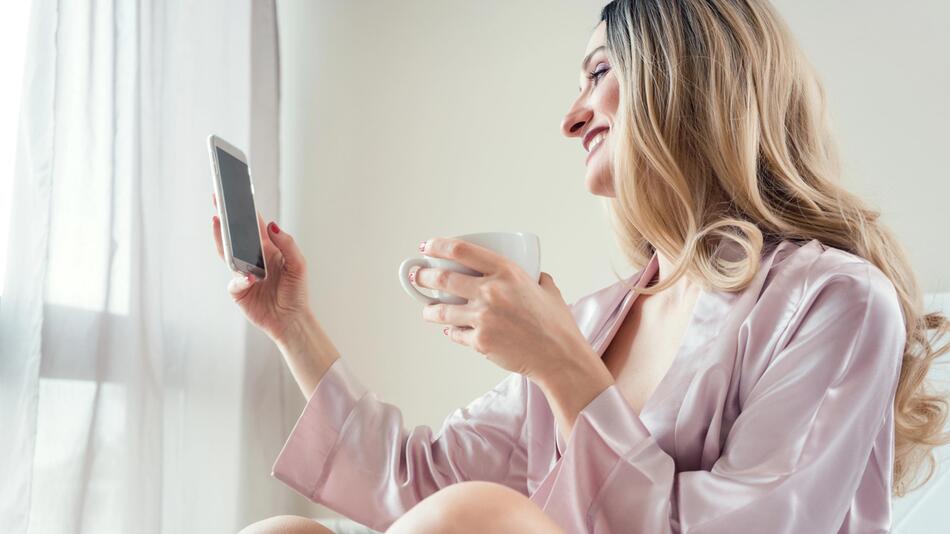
{"type": "Point", "coordinates": [286, 524]}
{"type": "Point", "coordinates": [474, 506]}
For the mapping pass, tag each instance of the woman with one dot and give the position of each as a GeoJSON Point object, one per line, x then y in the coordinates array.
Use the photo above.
{"type": "Point", "coordinates": [777, 386]}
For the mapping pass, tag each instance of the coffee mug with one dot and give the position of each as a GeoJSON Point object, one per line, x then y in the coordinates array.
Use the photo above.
{"type": "Point", "coordinates": [520, 247]}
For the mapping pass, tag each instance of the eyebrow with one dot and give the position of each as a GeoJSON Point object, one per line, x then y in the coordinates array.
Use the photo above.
{"type": "Point", "coordinates": [587, 58]}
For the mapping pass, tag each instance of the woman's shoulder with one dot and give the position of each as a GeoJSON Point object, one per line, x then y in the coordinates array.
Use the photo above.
{"type": "Point", "coordinates": [794, 270]}
{"type": "Point", "coordinates": [821, 293]}
{"type": "Point", "coordinates": [819, 302]}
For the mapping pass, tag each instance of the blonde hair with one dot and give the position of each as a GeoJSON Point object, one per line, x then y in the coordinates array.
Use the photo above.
{"type": "Point", "coordinates": [722, 133]}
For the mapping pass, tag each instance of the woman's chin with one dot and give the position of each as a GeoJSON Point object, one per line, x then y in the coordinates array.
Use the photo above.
{"type": "Point", "coordinates": [599, 185]}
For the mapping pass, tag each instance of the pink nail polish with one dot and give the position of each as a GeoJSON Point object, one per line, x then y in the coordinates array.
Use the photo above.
{"type": "Point", "coordinates": [412, 276]}
{"type": "Point", "coordinates": [422, 246]}
{"type": "Point", "coordinates": [445, 330]}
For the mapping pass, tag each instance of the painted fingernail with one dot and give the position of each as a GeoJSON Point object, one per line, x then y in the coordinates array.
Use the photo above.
{"type": "Point", "coordinates": [422, 246]}
{"type": "Point", "coordinates": [412, 276]}
{"type": "Point", "coordinates": [250, 278]}
{"type": "Point", "coordinates": [274, 228]}
{"type": "Point", "coordinates": [445, 330]}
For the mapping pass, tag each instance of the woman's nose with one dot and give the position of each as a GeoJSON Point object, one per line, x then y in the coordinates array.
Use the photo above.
{"type": "Point", "coordinates": [573, 123]}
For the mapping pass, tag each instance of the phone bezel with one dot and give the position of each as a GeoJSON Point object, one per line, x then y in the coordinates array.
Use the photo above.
{"type": "Point", "coordinates": [236, 264]}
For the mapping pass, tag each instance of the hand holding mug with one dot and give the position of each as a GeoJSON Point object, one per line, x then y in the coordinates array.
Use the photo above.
{"type": "Point", "coordinates": [523, 249]}
{"type": "Point", "coordinates": [493, 297]}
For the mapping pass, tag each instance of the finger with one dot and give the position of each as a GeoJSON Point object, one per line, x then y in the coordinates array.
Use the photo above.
{"type": "Point", "coordinates": [266, 242]}
{"type": "Point", "coordinates": [453, 282]}
{"type": "Point", "coordinates": [450, 314]}
{"type": "Point", "coordinates": [214, 200]}
{"type": "Point", "coordinates": [547, 282]}
{"type": "Point", "coordinates": [294, 261]}
{"type": "Point", "coordinates": [216, 228]}
{"type": "Point", "coordinates": [468, 254]}
{"type": "Point", "coordinates": [240, 285]}
{"type": "Point", "coordinates": [462, 336]}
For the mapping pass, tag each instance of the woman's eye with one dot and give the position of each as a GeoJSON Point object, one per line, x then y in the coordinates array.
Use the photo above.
{"type": "Point", "coordinates": [597, 74]}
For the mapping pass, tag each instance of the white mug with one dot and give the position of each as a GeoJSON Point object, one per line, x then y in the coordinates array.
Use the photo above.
{"type": "Point", "coordinates": [520, 247]}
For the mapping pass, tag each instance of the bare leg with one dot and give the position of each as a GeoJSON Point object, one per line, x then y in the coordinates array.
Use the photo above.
{"type": "Point", "coordinates": [473, 508]}
{"type": "Point", "coordinates": [286, 524]}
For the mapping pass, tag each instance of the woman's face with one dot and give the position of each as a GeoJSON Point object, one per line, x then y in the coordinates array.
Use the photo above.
{"type": "Point", "coordinates": [593, 111]}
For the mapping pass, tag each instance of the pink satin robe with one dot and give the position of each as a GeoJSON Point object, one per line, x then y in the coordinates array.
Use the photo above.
{"type": "Point", "coordinates": [775, 416]}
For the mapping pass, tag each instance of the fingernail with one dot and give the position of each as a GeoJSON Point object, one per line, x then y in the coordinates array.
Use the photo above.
{"type": "Point", "coordinates": [445, 330]}
{"type": "Point", "coordinates": [412, 276]}
{"type": "Point", "coordinates": [273, 227]}
{"type": "Point", "coordinates": [422, 246]}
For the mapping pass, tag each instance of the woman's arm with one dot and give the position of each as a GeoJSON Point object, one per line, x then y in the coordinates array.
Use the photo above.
{"type": "Point", "coordinates": [349, 450]}
{"type": "Point", "coordinates": [573, 387]}
{"type": "Point", "coordinates": [308, 351]}
{"type": "Point", "coordinates": [352, 452]}
{"type": "Point", "coordinates": [279, 304]}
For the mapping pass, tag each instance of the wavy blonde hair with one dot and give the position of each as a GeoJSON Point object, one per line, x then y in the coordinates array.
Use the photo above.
{"type": "Point", "coordinates": [722, 133]}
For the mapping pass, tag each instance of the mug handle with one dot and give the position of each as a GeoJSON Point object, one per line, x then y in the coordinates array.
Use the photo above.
{"type": "Point", "coordinates": [404, 269]}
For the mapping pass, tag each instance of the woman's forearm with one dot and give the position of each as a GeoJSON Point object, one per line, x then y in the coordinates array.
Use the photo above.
{"type": "Point", "coordinates": [308, 351]}
{"type": "Point", "coordinates": [572, 386]}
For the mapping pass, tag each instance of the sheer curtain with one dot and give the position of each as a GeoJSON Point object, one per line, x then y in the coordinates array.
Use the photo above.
{"type": "Point", "coordinates": [134, 397]}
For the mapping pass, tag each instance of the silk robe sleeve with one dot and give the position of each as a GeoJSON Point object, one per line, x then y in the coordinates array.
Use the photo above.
{"type": "Point", "coordinates": [351, 451]}
{"type": "Point", "coordinates": [795, 454]}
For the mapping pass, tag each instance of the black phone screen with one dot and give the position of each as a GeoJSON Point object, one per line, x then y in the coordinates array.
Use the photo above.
{"type": "Point", "coordinates": [239, 204]}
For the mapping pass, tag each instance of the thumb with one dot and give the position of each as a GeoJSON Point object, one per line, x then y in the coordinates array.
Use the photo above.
{"type": "Point", "coordinates": [293, 258]}
{"type": "Point", "coordinates": [239, 285]}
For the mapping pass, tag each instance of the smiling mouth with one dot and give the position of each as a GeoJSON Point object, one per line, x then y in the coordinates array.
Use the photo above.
{"type": "Point", "coordinates": [596, 148]}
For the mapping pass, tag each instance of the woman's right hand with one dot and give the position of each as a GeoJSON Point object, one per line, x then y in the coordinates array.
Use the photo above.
{"type": "Point", "coordinates": [279, 301]}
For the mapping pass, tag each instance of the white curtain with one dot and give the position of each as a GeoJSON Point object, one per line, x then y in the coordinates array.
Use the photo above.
{"type": "Point", "coordinates": [134, 397]}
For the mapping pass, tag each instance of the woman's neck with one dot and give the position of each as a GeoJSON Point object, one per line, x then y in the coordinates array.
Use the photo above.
{"type": "Point", "coordinates": [682, 288]}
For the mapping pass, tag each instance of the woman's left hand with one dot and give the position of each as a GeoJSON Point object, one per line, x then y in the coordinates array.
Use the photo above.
{"type": "Point", "coordinates": [518, 323]}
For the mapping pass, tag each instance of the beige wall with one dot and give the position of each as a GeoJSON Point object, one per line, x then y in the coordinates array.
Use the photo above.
{"type": "Point", "coordinates": [887, 74]}
{"type": "Point", "coordinates": [408, 120]}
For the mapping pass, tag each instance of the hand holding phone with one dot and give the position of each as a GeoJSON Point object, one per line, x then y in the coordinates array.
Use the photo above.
{"type": "Point", "coordinates": [271, 286]}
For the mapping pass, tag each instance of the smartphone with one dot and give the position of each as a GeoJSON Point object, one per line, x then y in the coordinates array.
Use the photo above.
{"type": "Point", "coordinates": [240, 233]}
